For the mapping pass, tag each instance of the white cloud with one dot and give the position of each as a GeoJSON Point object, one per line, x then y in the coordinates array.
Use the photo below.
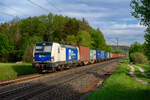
{"type": "Point", "coordinates": [111, 16]}
{"type": "Point", "coordinates": [127, 26]}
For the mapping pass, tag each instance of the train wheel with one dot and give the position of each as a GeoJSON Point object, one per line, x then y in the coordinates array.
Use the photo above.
{"type": "Point", "coordinates": [85, 62]}
{"type": "Point", "coordinates": [92, 61]}
{"type": "Point", "coordinates": [53, 69]}
{"type": "Point", "coordinates": [61, 67]}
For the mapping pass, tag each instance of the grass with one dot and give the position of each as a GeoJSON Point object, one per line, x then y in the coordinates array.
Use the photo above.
{"type": "Point", "coordinates": [146, 68]}
{"type": "Point", "coordinates": [139, 75]}
{"type": "Point", "coordinates": [13, 70]}
{"type": "Point", "coordinates": [121, 86]}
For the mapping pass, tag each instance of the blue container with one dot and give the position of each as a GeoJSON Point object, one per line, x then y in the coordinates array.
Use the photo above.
{"type": "Point", "coordinates": [91, 55]}
{"type": "Point", "coordinates": [102, 54]}
{"type": "Point", "coordinates": [98, 54]}
{"type": "Point", "coordinates": [71, 54]}
{"type": "Point", "coordinates": [42, 57]}
{"type": "Point", "coordinates": [105, 54]}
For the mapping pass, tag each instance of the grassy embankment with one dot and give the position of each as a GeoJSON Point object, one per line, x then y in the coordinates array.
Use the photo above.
{"type": "Point", "coordinates": [146, 68]}
{"type": "Point", "coordinates": [146, 71]}
{"type": "Point", "coordinates": [13, 70]}
{"type": "Point", "coordinates": [121, 86]}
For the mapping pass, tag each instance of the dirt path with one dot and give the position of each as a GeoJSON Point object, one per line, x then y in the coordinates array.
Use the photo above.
{"type": "Point", "coordinates": [142, 71]}
{"type": "Point", "coordinates": [133, 75]}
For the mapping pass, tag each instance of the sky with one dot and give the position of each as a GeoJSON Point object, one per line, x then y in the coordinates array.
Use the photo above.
{"type": "Point", "coordinates": [112, 17]}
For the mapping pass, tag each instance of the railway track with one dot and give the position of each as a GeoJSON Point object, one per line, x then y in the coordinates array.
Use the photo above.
{"type": "Point", "coordinates": [19, 79]}
{"type": "Point", "coordinates": [33, 89]}
{"type": "Point", "coordinates": [26, 77]}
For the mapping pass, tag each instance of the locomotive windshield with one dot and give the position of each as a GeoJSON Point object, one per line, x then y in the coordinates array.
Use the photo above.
{"type": "Point", "coordinates": [43, 47]}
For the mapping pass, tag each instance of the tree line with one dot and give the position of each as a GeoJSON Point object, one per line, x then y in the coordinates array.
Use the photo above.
{"type": "Point", "coordinates": [18, 36]}
{"type": "Point", "coordinates": [141, 11]}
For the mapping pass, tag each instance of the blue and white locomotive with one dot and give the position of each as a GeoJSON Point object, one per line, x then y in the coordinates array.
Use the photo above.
{"type": "Point", "coordinates": [52, 56]}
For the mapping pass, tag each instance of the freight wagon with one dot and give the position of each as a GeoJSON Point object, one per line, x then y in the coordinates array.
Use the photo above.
{"type": "Point", "coordinates": [84, 53]}
{"type": "Point", "coordinates": [50, 56]}
{"type": "Point", "coordinates": [92, 56]}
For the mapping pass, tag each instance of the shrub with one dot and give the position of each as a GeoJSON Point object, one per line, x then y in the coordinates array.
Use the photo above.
{"type": "Point", "coordinates": [27, 57]}
{"type": "Point", "coordinates": [138, 58]}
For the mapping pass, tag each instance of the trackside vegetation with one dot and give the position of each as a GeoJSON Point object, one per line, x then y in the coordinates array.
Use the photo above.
{"type": "Point", "coordinates": [140, 76]}
{"type": "Point", "coordinates": [13, 70]}
{"type": "Point", "coordinates": [121, 86]}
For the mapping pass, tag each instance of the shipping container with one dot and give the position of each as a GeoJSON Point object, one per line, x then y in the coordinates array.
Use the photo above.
{"type": "Point", "coordinates": [98, 54]}
{"type": "Point", "coordinates": [92, 54]}
{"type": "Point", "coordinates": [105, 55]}
{"type": "Point", "coordinates": [102, 54]}
{"type": "Point", "coordinates": [71, 54]}
{"type": "Point", "coordinates": [114, 55]}
{"type": "Point", "coordinates": [108, 55]}
{"type": "Point", "coordinates": [84, 53]}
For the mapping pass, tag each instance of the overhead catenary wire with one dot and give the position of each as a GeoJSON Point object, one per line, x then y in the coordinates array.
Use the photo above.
{"type": "Point", "coordinates": [114, 40]}
{"type": "Point", "coordinates": [7, 14]}
{"type": "Point", "coordinates": [52, 4]}
{"type": "Point", "coordinates": [47, 10]}
{"type": "Point", "coordinates": [6, 6]}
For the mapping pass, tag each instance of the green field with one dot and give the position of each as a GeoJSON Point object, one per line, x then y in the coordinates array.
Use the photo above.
{"type": "Point", "coordinates": [121, 86]}
{"type": "Point", "coordinates": [12, 70]}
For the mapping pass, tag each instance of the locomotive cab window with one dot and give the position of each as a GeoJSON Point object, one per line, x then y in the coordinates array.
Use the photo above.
{"type": "Point", "coordinates": [47, 48]}
{"type": "Point", "coordinates": [43, 47]}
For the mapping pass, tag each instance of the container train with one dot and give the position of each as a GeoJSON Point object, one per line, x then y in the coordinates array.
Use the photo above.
{"type": "Point", "coordinates": [51, 56]}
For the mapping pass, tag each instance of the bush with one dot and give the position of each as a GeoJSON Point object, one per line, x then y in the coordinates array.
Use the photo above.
{"type": "Point", "coordinates": [27, 57]}
{"type": "Point", "coordinates": [138, 58]}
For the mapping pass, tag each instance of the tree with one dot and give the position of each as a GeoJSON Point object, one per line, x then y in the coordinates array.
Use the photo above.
{"type": "Point", "coordinates": [85, 39]}
{"type": "Point", "coordinates": [139, 58]}
{"type": "Point", "coordinates": [4, 44]}
{"type": "Point", "coordinates": [136, 47]}
{"type": "Point", "coordinates": [21, 34]}
{"type": "Point", "coordinates": [141, 11]}
{"type": "Point", "coordinates": [147, 44]}
{"type": "Point", "coordinates": [6, 47]}
{"type": "Point", "coordinates": [98, 41]}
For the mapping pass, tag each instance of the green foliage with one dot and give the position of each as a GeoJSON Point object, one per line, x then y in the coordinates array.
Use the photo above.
{"type": "Point", "coordinates": [136, 47]}
{"type": "Point", "coordinates": [141, 11]}
{"type": "Point", "coordinates": [85, 39]}
{"type": "Point", "coordinates": [118, 51]}
{"type": "Point", "coordinates": [22, 34]}
{"type": "Point", "coordinates": [6, 46]}
{"type": "Point", "coordinates": [27, 57]}
{"type": "Point", "coordinates": [108, 48]}
{"type": "Point", "coordinates": [138, 58]}
{"type": "Point", "coordinates": [147, 44]}
{"type": "Point", "coordinates": [98, 41]}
